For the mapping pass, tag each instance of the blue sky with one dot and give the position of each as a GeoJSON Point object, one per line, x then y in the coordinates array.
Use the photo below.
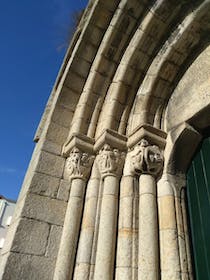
{"type": "Point", "coordinates": [33, 42]}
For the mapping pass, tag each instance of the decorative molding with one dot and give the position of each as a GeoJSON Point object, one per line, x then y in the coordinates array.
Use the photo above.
{"type": "Point", "coordinates": [177, 182]}
{"type": "Point", "coordinates": [78, 165]}
{"type": "Point", "coordinates": [177, 158]}
{"type": "Point", "coordinates": [110, 161]}
{"type": "Point", "coordinates": [150, 133]}
{"type": "Point", "coordinates": [112, 138]}
{"type": "Point", "coordinates": [144, 159]}
{"type": "Point", "coordinates": [81, 141]}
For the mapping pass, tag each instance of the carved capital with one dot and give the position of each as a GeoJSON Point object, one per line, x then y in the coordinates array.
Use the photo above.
{"type": "Point", "coordinates": [144, 159]}
{"type": "Point", "coordinates": [78, 165]}
{"type": "Point", "coordinates": [110, 161]}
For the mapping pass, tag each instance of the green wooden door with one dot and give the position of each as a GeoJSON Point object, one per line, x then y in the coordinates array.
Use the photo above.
{"type": "Point", "coordinates": [198, 194]}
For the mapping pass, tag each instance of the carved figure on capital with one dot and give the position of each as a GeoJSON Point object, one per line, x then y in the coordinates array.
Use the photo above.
{"type": "Point", "coordinates": [110, 161]}
{"type": "Point", "coordinates": [144, 159]}
{"type": "Point", "coordinates": [78, 164]}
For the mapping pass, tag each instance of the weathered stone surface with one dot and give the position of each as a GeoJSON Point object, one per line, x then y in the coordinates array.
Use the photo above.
{"type": "Point", "coordinates": [17, 266]}
{"type": "Point", "coordinates": [69, 99]}
{"type": "Point", "coordinates": [51, 147]}
{"type": "Point", "coordinates": [124, 273]}
{"type": "Point", "coordinates": [75, 82]}
{"type": "Point", "coordinates": [70, 234]}
{"type": "Point", "coordinates": [45, 209]}
{"type": "Point", "coordinates": [82, 271]}
{"type": "Point", "coordinates": [169, 262]}
{"type": "Point", "coordinates": [30, 237]}
{"type": "Point", "coordinates": [192, 93]}
{"type": "Point", "coordinates": [167, 218]}
{"type": "Point", "coordinates": [53, 241]}
{"type": "Point", "coordinates": [50, 164]}
{"type": "Point", "coordinates": [64, 189]}
{"type": "Point", "coordinates": [24, 267]}
{"type": "Point", "coordinates": [125, 248]}
{"type": "Point", "coordinates": [126, 68]}
{"type": "Point", "coordinates": [45, 185]}
{"type": "Point", "coordinates": [62, 116]}
{"type": "Point", "coordinates": [57, 133]}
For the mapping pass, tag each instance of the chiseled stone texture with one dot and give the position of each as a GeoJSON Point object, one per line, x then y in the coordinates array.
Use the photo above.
{"type": "Point", "coordinates": [45, 185]}
{"type": "Point", "coordinates": [82, 272]}
{"type": "Point", "coordinates": [64, 189]}
{"type": "Point", "coordinates": [126, 67]}
{"type": "Point", "coordinates": [53, 241]}
{"type": "Point", "coordinates": [192, 93]}
{"type": "Point", "coordinates": [50, 164]}
{"type": "Point", "coordinates": [25, 266]}
{"type": "Point", "coordinates": [31, 237]}
{"type": "Point", "coordinates": [44, 209]}
{"type": "Point", "coordinates": [167, 218]}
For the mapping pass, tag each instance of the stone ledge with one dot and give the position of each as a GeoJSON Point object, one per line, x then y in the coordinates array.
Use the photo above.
{"type": "Point", "coordinates": [151, 134]}
{"type": "Point", "coordinates": [111, 138]}
{"type": "Point", "coordinates": [80, 141]}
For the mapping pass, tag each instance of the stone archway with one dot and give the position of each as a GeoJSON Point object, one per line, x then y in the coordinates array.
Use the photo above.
{"type": "Point", "coordinates": [186, 130]}
{"type": "Point", "coordinates": [103, 186]}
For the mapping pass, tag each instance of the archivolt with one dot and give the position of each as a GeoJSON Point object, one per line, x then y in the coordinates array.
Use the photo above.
{"type": "Point", "coordinates": [179, 39]}
{"type": "Point", "coordinates": [134, 64]}
{"type": "Point", "coordinates": [183, 46]}
{"type": "Point", "coordinates": [150, 66]}
{"type": "Point", "coordinates": [124, 63]}
{"type": "Point", "coordinates": [110, 51]}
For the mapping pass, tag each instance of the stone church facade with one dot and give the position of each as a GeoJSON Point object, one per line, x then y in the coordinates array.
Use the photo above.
{"type": "Point", "coordinates": [104, 194]}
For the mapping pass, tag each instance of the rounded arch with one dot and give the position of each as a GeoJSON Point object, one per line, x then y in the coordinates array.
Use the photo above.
{"type": "Point", "coordinates": [182, 47]}
{"type": "Point", "coordinates": [187, 114]}
{"type": "Point", "coordinates": [140, 53]}
{"type": "Point", "coordinates": [181, 144]}
{"type": "Point", "coordinates": [119, 83]}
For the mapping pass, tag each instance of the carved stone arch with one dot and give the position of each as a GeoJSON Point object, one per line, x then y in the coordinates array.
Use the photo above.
{"type": "Point", "coordinates": [181, 145]}
{"type": "Point", "coordinates": [183, 141]}
{"type": "Point", "coordinates": [115, 40]}
{"type": "Point", "coordinates": [74, 72]}
{"type": "Point", "coordinates": [99, 148]}
{"type": "Point", "coordinates": [186, 127]}
{"type": "Point", "coordinates": [180, 49]}
{"type": "Point", "coordinates": [139, 54]}
{"type": "Point", "coordinates": [186, 117]}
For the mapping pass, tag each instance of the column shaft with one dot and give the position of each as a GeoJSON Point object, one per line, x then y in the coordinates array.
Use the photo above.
{"type": "Point", "coordinates": [127, 230]}
{"type": "Point", "coordinates": [169, 247]}
{"type": "Point", "coordinates": [68, 245]}
{"type": "Point", "coordinates": [181, 238]}
{"type": "Point", "coordinates": [96, 230]}
{"type": "Point", "coordinates": [148, 229]}
{"type": "Point", "coordinates": [186, 233]}
{"type": "Point", "coordinates": [83, 260]}
{"type": "Point", "coordinates": [105, 255]}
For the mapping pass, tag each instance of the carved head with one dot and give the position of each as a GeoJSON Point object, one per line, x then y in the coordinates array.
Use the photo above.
{"type": "Point", "coordinates": [143, 143]}
{"type": "Point", "coordinates": [75, 156]}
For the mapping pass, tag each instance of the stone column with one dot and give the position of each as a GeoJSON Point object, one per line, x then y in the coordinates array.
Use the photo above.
{"type": "Point", "coordinates": [96, 229]}
{"type": "Point", "coordinates": [147, 161]}
{"type": "Point", "coordinates": [127, 243]}
{"type": "Point", "coordinates": [182, 226]}
{"type": "Point", "coordinates": [186, 233]}
{"type": "Point", "coordinates": [169, 246]}
{"type": "Point", "coordinates": [77, 170]}
{"type": "Point", "coordinates": [85, 247]}
{"type": "Point", "coordinates": [146, 145]}
{"type": "Point", "coordinates": [110, 162]}
{"type": "Point", "coordinates": [181, 236]}
{"type": "Point", "coordinates": [148, 266]}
